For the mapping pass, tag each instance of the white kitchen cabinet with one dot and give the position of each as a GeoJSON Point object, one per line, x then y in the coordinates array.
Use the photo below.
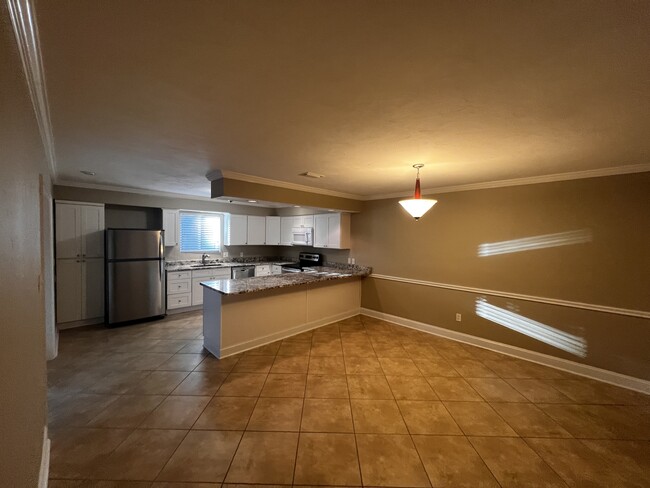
{"type": "Point", "coordinates": [332, 231]}
{"type": "Point", "coordinates": [273, 230]}
{"type": "Point", "coordinates": [170, 226]}
{"type": "Point", "coordinates": [205, 275]}
{"type": "Point", "coordinates": [79, 234]}
{"type": "Point", "coordinates": [256, 231]}
{"type": "Point", "coordinates": [286, 224]}
{"type": "Point", "coordinates": [276, 269]}
{"type": "Point", "coordinates": [237, 230]}
{"type": "Point", "coordinates": [263, 270]}
{"type": "Point", "coordinates": [79, 230]}
{"type": "Point", "coordinates": [304, 221]}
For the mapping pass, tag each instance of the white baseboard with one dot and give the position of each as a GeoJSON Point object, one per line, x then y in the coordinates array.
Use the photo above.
{"type": "Point", "coordinates": [80, 323]}
{"type": "Point", "coordinates": [245, 346]}
{"type": "Point", "coordinates": [174, 311]}
{"type": "Point", "coordinates": [585, 370]}
{"type": "Point", "coordinates": [44, 471]}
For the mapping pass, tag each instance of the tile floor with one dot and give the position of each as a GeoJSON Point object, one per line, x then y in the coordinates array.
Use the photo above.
{"type": "Point", "coordinates": [359, 402]}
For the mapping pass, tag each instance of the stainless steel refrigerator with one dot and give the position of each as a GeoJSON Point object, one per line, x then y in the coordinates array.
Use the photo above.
{"type": "Point", "coordinates": [135, 275]}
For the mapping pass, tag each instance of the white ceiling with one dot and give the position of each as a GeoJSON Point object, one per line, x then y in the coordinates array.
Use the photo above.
{"type": "Point", "coordinates": [154, 95]}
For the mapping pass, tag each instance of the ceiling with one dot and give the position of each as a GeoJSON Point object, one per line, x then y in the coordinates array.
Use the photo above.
{"type": "Point", "coordinates": [155, 94]}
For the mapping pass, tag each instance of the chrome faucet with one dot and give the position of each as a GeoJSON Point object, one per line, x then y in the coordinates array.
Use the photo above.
{"type": "Point", "coordinates": [204, 258]}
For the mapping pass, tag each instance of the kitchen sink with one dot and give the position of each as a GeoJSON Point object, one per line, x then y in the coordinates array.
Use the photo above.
{"type": "Point", "coordinates": [218, 265]}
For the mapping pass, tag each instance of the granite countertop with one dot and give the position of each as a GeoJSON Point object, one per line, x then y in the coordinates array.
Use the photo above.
{"type": "Point", "coordinates": [261, 283]}
{"type": "Point", "coordinates": [192, 265]}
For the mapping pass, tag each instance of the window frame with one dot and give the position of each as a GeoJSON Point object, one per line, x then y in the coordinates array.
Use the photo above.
{"type": "Point", "coordinates": [222, 219]}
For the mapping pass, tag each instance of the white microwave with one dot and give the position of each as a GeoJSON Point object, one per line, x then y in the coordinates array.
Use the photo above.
{"type": "Point", "coordinates": [302, 236]}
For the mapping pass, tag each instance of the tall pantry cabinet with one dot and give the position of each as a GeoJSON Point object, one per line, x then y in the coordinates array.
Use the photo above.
{"type": "Point", "coordinates": [79, 231]}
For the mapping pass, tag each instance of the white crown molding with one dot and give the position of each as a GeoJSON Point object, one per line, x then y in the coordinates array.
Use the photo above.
{"type": "Point", "coordinates": [529, 180]}
{"type": "Point", "coordinates": [138, 191]}
{"type": "Point", "coordinates": [218, 174]}
{"type": "Point", "coordinates": [23, 20]}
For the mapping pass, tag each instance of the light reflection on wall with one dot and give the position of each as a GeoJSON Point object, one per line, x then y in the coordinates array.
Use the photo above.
{"type": "Point", "coordinates": [545, 333]}
{"type": "Point", "coordinates": [536, 242]}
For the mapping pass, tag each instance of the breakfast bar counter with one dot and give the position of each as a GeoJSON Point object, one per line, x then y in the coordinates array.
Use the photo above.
{"type": "Point", "coordinates": [242, 314]}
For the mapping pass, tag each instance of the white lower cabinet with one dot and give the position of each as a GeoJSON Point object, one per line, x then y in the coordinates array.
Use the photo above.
{"type": "Point", "coordinates": [263, 270]}
{"type": "Point", "coordinates": [276, 269]}
{"type": "Point", "coordinates": [79, 289]}
{"type": "Point", "coordinates": [184, 287]}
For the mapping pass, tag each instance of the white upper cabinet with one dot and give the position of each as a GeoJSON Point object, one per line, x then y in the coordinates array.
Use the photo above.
{"type": "Point", "coordinates": [256, 230]}
{"type": "Point", "coordinates": [170, 226]}
{"type": "Point", "coordinates": [79, 230]}
{"type": "Point", "coordinates": [286, 224]}
{"type": "Point", "coordinates": [305, 221]}
{"type": "Point", "coordinates": [332, 231]}
{"type": "Point", "coordinates": [237, 234]}
{"type": "Point", "coordinates": [273, 231]}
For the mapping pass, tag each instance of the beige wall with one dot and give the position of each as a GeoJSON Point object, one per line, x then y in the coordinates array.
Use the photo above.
{"type": "Point", "coordinates": [611, 269]}
{"type": "Point", "coordinates": [22, 330]}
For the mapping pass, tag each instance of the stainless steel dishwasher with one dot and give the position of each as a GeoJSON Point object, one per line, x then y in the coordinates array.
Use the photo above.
{"type": "Point", "coordinates": [239, 272]}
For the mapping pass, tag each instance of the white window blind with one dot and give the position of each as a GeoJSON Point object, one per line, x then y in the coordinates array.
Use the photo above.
{"type": "Point", "coordinates": [200, 232]}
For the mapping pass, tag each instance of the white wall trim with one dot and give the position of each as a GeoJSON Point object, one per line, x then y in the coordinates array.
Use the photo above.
{"type": "Point", "coordinates": [518, 296]}
{"type": "Point", "coordinates": [529, 180]}
{"type": "Point", "coordinates": [44, 471]}
{"type": "Point", "coordinates": [585, 370]}
{"type": "Point", "coordinates": [137, 191]}
{"type": "Point", "coordinates": [261, 341]}
{"type": "Point", "coordinates": [23, 19]}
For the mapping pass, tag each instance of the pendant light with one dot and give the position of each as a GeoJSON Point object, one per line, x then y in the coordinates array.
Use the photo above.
{"type": "Point", "coordinates": [417, 206]}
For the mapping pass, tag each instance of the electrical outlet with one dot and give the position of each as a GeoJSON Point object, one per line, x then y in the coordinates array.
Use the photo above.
{"type": "Point", "coordinates": [349, 260]}
{"type": "Point", "coordinates": [354, 261]}
{"type": "Point", "coordinates": [458, 317]}
{"type": "Point", "coordinates": [224, 254]}
{"type": "Point", "coordinates": [241, 254]}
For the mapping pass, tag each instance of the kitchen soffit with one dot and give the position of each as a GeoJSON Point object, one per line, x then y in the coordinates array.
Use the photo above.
{"type": "Point", "coordinates": [156, 98]}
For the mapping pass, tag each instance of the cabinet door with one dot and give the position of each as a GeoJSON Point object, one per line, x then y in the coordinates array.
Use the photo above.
{"type": "Point", "coordinates": [320, 231]}
{"type": "Point", "coordinates": [306, 221]}
{"type": "Point", "coordinates": [92, 305]}
{"type": "Point", "coordinates": [197, 290]}
{"type": "Point", "coordinates": [238, 230]}
{"type": "Point", "coordinates": [286, 224]}
{"type": "Point", "coordinates": [256, 230]}
{"type": "Point", "coordinates": [170, 226]}
{"type": "Point", "coordinates": [92, 231]}
{"type": "Point", "coordinates": [272, 231]}
{"type": "Point", "coordinates": [68, 290]}
{"type": "Point", "coordinates": [334, 230]}
{"type": "Point", "coordinates": [68, 230]}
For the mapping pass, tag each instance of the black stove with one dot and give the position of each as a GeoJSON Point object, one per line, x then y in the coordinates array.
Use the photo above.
{"type": "Point", "coordinates": [306, 260]}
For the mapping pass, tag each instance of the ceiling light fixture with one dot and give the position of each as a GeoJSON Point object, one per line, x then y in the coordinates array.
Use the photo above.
{"type": "Point", "coordinates": [417, 206]}
{"type": "Point", "coordinates": [87, 173]}
{"type": "Point", "coordinates": [311, 174]}
{"type": "Point", "coordinates": [252, 201]}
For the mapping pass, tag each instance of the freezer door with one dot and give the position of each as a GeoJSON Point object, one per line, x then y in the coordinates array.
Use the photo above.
{"type": "Point", "coordinates": [134, 244]}
{"type": "Point", "coordinates": [135, 290]}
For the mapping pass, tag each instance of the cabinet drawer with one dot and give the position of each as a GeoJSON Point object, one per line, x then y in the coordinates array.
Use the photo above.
{"type": "Point", "coordinates": [178, 286]}
{"type": "Point", "coordinates": [178, 301]}
{"type": "Point", "coordinates": [217, 274]}
{"type": "Point", "coordinates": [178, 275]}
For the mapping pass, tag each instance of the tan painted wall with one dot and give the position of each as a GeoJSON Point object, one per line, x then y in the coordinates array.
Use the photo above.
{"type": "Point", "coordinates": [612, 269]}
{"type": "Point", "coordinates": [22, 330]}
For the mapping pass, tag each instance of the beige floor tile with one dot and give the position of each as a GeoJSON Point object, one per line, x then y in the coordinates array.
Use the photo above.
{"type": "Point", "coordinates": [146, 361]}
{"type": "Point", "coordinates": [362, 365]}
{"type": "Point", "coordinates": [99, 484]}
{"type": "Point", "coordinates": [539, 391]}
{"type": "Point", "coordinates": [452, 462]}
{"type": "Point", "coordinates": [399, 366]}
{"type": "Point", "coordinates": [254, 364]}
{"type": "Point", "coordinates": [276, 466]}
{"type": "Point", "coordinates": [495, 390]}
{"type": "Point", "coordinates": [202, 456]}
{"type": "Point", "coordinates": [528, 420]}
{"type": "Point", "coordinates": [200, 383]}
{"type": "Point", "coordinates": [327, 386]}
{"type": "Point", "coordinates": [593, 392]}
{"type": "Point", "coordinates": [326, 365]}
{"type": "Point", "coordinates": [326, 415]}
{"type": "Point", "coordinates": [142, 455]}
{"type": "Point", "coordinates": [453, 389]}
{"type": "Point", "coordinates": [427, 417]}
{"type": "Point", "coordinates": [284, 386]}
{"type": "Point", "coordinates": [420, 351]}
{"type": "Point", "coordinates": [78, 452]}
{"type": "Point", "coordinates": [117, 382]}
{"type": "Point", "coordinates": [332, 348]}
{"type": "Point", "coordinates": [514, 464]}
{"type": "Point", "coordinates": [390, 460]}
{"type": "Point", "coordinates": [265, 350]}
{"type": "Point", "coordinates": [226, 413]}
{"type": "Point", "coordinates": [377, 417]}
{"type": "Point", "coordinates": [182, 362]}
{"type": "Point", "coordinates": [479, 419]}
{"type": "Point", "coordinates": [292, 348]}
{"type": "Point", "coordinates": [436, 367]}
{"type": "Point", "coordinates": [327, 459]}
{"type": "Point", "coordinates": [78, 409]}
{"type": "Point", "coordinates": [210, 363]}
{"type": "Point", "coordinates": [172, 484]}
{"type": "Point", "coordinates": [127, 411]}
{"type": "Point", "coordinates": [242, 384]}
{"type": "Point", "coordinates": [369, 387]}
{"type": "Point", "coordinates": [290, 364]}
{"type": "Point", "coordinates": [159, 383]}
{"type": "Point", "coordinates": [176, 412]}
{"type": "Point", "coordinates": [359, 350]}
{"type": "Point", "coordinates": [411, 388]}
{"type": "Point", "coordinates": [630, 458]}
{"type": "Point", "coordinates": [276, 414]}
{"type": "Point", "coordinates": [389, 350]}
{"type": "Point", "coordinates": [470, 368]}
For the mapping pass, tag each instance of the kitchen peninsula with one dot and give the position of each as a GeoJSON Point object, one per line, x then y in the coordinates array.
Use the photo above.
{"type": "Point", "coordinates": [242, 314]}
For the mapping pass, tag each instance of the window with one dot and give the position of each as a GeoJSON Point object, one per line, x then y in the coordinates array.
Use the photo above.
{"type": "Point", "coordinates": [200, 231]}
